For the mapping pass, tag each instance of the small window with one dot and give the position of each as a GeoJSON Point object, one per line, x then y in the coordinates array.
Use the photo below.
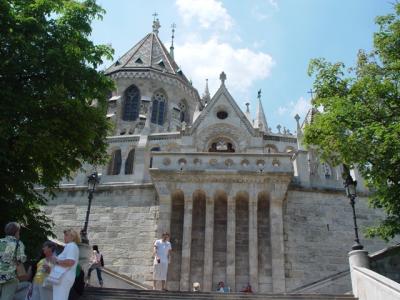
{"type": "Point", "coordinates": [114, 167]}
{"type": "Point", "coordinates": [129, 162]}
{"type": "Point", "coordinates": [222, 115]}
{"type": "Point", "coordinates": [139, 61]}
{"type": "Point", "coordinates": [151, 157]}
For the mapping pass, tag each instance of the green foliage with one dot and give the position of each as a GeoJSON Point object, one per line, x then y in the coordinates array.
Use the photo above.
{"type": "Point", "coordinates": [48, 124]}
{"type": "Point", "coordinates": [359, 123]}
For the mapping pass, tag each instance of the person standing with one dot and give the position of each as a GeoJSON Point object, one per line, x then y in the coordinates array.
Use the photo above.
{"type": "Point", "coordinates": [96, 263]}
{"type": "Point", "coordinates": [162, 250]}
{"type": "Point", "coordinates": [12, 252]}
{"type": "Point", "coordinates": [68, 259]}
{"type": "Point", "coordinates": [43, 268]}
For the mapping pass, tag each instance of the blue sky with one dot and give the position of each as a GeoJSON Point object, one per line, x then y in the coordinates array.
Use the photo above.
{"type": "Point", "coordinates": [260, 44]}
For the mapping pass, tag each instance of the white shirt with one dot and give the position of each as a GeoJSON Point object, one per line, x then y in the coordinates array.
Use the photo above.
{"type": "Point", "coordinates": [162, 249]}
{"type": "Point", "coordinates": [71, 251]}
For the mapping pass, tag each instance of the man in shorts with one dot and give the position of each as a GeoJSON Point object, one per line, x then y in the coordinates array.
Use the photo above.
{"type": "Point", "coordinates": [162, 250]}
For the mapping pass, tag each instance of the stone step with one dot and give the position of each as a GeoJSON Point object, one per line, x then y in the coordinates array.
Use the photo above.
{"type": "Point", "coordinates": [122, 294]}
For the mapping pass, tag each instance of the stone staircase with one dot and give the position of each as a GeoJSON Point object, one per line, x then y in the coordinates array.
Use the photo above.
{"type": "Point", "coordinates": [120, 294]}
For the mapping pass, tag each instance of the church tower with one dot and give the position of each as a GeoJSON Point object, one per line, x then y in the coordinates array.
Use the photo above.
{"type": "Point", "coordinates": [151, 90]}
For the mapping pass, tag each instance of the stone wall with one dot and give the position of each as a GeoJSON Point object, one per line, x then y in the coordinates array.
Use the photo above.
{"type": "Point", "coordinates": [387, 262]}
{"type": "Point", "coordinates": [319, 232]}
{"type": "Point", "coordinates": [122, 222]}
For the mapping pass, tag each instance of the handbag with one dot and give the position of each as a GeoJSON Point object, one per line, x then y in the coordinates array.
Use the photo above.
{"type": "Point", "coordinates": [55, 276]}
{"type": "Point", "coordinates": [19, 268]}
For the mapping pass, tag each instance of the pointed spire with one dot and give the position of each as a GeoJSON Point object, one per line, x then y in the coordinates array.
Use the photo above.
{"type": "Point", "coordinates": [248, 111]}
{"type": "Point", "coordinates": [297, 118]}
{"type": "Point", "coordinates": [171, 49]}
{"type": "Point", "coordinates": [206, 95]}
{"type": "Point", "coordinates": [156, 23]}
{"type": "Point", "coordinates": [261, 122]}
{"type": "Point", "coordinates": [222, 77]}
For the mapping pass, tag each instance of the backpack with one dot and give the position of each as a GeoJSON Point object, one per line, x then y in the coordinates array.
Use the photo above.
{"type": "Point", "coordinates": [101, 260]}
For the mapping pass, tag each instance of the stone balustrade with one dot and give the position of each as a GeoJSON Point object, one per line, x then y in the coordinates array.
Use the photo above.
{"type": "Point", "coordinates": [223, 162]}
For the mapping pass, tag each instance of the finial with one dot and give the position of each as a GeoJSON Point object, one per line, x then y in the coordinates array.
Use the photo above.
{"type": "Point", "coordinates": [259, 94]}
{"type": "Point", "coordinates": [171, 49]}
{"type": "Point", "coordinates": [206, 95]}
{"type": "Point", "coordinates": [297, 118]}
{"type": "Point", "coordinates": [248, 109]}
{"type": "Point", "coordinates": [156, 24]}
{"type": "Point", "coordinates": [155, 14]}
{"type": "Point", "coordinates": [279, 128]}
{"type": "Point", "coordinates": [222, 77]}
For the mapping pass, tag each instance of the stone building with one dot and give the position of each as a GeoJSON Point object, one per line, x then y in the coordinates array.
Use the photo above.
{"type": "Point", "coordinates": [243, 204]}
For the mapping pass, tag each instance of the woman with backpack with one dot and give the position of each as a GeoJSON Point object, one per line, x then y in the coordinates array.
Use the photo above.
{"type": "Point", "coordinates": [96, 263]}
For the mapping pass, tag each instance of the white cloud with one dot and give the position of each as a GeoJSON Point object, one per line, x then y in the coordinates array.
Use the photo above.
{"type": "Point", "coordinates": [274, 4]}
{"type": "Point", "coordinates": [301, 107]}
{"type": "Point", "coordinates": [207, 12]}
{"type": "Point", "coordinates": [201, 60]}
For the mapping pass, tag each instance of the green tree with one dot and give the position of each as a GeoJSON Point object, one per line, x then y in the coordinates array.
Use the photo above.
{"type": "Point", "coordinates": [49, 125]}
{"type": "Point", "coordinates": [358, 123]}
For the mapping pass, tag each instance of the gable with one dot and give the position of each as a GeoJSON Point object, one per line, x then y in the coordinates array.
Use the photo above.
{"type": "Point", "coordinates": [223, 110]}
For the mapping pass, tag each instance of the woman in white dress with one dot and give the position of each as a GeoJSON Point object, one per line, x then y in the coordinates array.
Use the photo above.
{"type": "Point", "coordinates": [68, 259]}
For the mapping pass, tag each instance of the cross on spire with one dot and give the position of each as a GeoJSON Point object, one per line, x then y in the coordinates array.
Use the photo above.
{"type": "Point", "coordinates": [173, 26]}
{"type": "Point", "coordinates": [155, 14]}
{"type": "Point", "coordinates": [259, 94]}
{"type": "Point", "coordinates": [311, 92]}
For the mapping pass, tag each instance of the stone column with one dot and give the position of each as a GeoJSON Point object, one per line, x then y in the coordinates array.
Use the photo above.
{"type": "Point", "coordinates": [164, 222]}
{"type": "Point", "coordinates": [231, 243]}
{"type": "Point", "coordinates": [357, 258]}
{"type": "Point", "coordinates": [253, 241]}
{"type": "Point", "coordinates": [277, 244]}
{"type": "Point", "coordinates": [208, 246]}
{"type": "Point", "coordinates": [186, 243]}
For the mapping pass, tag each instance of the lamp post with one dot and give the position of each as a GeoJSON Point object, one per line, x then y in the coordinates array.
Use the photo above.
{"type": "Point", "coordinates": [93, 179]}
{"type": "Point", "coordinates": [350, 186]}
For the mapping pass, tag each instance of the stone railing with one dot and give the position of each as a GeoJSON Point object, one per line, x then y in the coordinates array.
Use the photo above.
{"type": "Point", "coordinates": [223, 162]}
{"type": "Point", "coordinates": [367, 284]}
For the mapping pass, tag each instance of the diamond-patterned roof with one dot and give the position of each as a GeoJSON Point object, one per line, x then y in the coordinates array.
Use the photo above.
{"type": "Point", "coordinates": [148, 53]}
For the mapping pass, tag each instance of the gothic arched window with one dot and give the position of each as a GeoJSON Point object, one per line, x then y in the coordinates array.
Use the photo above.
{"type": "Point", "coordinates": [131, 104]}
{"type": "Point", "coordinates": [327, 171]}
{"type": "Point", "coordinates": [129, 162]}
{"type": "Point", "coordinates": [114, 167]}
{"type": "Point", "coordinates": [158, 109]}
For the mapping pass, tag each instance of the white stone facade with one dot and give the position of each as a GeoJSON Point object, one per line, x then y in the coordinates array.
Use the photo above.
{"type": "Point", "coordinates": [243, 204]}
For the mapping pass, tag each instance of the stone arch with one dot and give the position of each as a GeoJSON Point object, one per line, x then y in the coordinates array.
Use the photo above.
{"type": "Point", "coordinates": [221, 144]}
{"type": "Point", "coordinates": [219, 243]}
{"type": "Point", "coordinates": [242, 271]}
{"type": "Point", "coordinates": [289, 149]}
{"type": "Point", "coordinates": [176, 231]}
{"type": "Point", "coordinates": [270, 148]}
{"type": "Point", "coordinates": [131, 103]}
{"type": "Point", "coordinates": [114, 165]}
{"type": "Point", "coordinates": [264, 243]}
{"type": "Point", "coordinates": [198, 237]}
{"type": "Point", "coordinates": [159, 107]}
{"type": "Point", "coordinates": [239, 138]}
